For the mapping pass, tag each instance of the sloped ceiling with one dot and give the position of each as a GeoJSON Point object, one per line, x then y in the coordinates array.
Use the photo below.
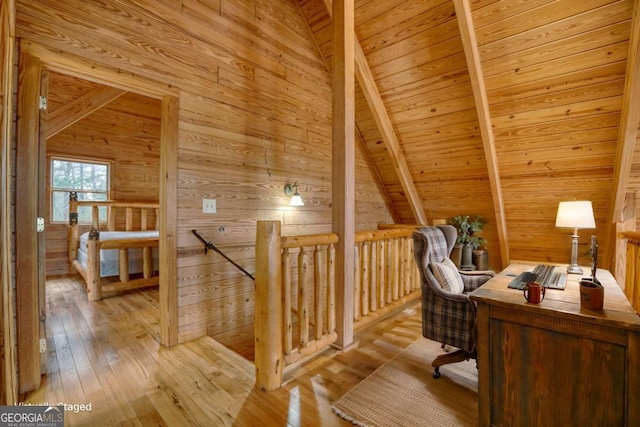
{"type": "Point", "coordinates": [553, 74]}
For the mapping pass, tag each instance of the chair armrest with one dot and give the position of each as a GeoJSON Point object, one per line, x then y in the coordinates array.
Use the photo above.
{"type": "Point", "coordinates": [474, 279]}
{"type": "Point", "coordinates": [478, 273]}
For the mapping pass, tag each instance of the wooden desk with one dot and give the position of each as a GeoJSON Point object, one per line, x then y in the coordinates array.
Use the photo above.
{"type": "Point", "coordinates": [555, 363]}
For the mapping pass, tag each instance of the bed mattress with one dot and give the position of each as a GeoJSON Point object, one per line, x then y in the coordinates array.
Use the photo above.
{"type": "Point", "coordinates": [109, 257]}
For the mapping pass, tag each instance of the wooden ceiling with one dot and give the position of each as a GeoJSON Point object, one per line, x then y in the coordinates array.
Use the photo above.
{"type": "Point", "coordinates": [499, 108]}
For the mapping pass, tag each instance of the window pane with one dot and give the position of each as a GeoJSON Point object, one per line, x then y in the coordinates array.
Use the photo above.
{"type": "Point", "coordinates": [79, 176]}
{"type": "Point", "coordinates": [59, 206]}
{"type": "Point", "coordinates": [90, 180]}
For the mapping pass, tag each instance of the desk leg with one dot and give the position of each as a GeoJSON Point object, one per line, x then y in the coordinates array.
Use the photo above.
{"type": "Point", "coordinates": [484, 366]}
{"type": "Point", "coordinates": [633, 379]}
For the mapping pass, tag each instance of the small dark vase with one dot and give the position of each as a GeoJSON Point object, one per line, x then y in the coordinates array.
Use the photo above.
{"type": "Point", "coordinates": [467, 258]}
{"type": "Point", "coordinates": [480, 259]}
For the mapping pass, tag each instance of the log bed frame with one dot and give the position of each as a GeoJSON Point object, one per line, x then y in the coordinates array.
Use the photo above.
{"type": "Point", "coordinates": [98, 286]}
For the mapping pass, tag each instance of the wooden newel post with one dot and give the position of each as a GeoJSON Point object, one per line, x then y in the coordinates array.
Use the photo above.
{"type": "Point", "coordinates": [269, 357]}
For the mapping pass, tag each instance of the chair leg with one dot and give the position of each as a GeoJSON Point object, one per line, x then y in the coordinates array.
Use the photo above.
{"type": "Point", "coordinates": [443, 359]}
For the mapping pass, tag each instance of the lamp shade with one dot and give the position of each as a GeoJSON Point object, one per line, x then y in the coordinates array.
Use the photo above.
{"type": "Point", "coordinates": [296, 200]}
{"type": "Point", "coordinates": [575, 214]}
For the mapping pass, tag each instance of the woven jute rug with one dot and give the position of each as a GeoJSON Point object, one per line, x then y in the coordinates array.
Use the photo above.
{"type": "Point", "coordinates": [403, 392]}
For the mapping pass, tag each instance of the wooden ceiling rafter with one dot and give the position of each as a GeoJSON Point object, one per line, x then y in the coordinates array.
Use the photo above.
{"type": "Point", "coordinates": [71, 113]}
{"type": "Point", "coordinates": [474, 65]}
{"type": "Point", "coordinates": [627, 135]}
{"type": "Point", "coordinates": [360, 139]}
{"type": "Point", "coordinates": [385, 127]}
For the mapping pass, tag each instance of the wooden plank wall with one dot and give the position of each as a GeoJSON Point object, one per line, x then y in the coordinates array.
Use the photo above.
{"type": "Point", "coordinates": [415, 54]}
{"type": "Point", "coordinates": [554, 78]}
{"type": "Point", "coordinates": [125, 132]}
{"type": "Point", "coordinates": [255, 109]}
{"type": "Point", "coordinates": [554, 73]}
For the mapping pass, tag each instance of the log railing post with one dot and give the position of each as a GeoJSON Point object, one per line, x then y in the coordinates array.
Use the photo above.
{"type": "Point", "coordinates": [73, 229]}
{"type": "Point", "coordinates": [93, 267]}
{"type": "Point", "coordinates": [269, 359]}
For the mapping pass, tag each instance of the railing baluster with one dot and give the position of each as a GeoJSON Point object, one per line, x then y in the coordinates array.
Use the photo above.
{"type": "Point", "coordinates": [402, 279]}
{"type": "Point", "coordinates": [382, 284]}
{"type": "Point", "coordinates": [303, 298]}
{"type": "Point", "coordinates": [357, 298]}
{"type": "Point", "coordinates": [395, 262]}
{"type": "Point", "coordinates": [373, 287]}
{"type": "Point", "coordinates": [389, 273]}
{"type": "Point", "coordinates": [405, 264]}
{"type": "Point", "coordinates": [635, 282]}
{"type": "Point", "coordinates": [364, 274]}
{"type": "Point", "coordinates": [286, 306]}
{"type": "Point", "coordinates": [331, 289]}
{"type": "Point", "coordinates": [317, 298]}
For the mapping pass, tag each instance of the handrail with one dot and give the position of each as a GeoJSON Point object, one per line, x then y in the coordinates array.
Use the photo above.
{"type": "Point", "coordinates": [376, 235]}
{"type": "Point", "coordinates": [118, 204]}
{"type": "Point", "coordinates": [209, 245]}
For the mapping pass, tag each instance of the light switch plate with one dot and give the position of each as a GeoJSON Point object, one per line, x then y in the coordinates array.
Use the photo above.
{"type": "Point", "coordinates": [208, 205]}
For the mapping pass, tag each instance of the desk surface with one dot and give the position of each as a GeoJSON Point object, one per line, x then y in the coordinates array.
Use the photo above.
{"type": "Point", "coordinates": [616, 308]}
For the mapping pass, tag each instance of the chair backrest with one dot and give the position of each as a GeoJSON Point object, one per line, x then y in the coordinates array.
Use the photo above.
{"type": "Point", "coordinates": [433, 244]}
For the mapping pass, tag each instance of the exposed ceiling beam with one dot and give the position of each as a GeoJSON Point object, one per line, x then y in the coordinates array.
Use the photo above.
{"type": "Point", "coordinates": [472, 56]}
{"type": "Point", "coordinates": [68, 114]}
{"type": "Point", "coordinates": [361, 141]}
{"type": "Point", "coordinates": [627, 134]}
{"type": "Point", "coordinates": [385, 127]}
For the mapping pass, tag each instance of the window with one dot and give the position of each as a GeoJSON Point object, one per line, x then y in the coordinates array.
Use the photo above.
{"type": "Point", "coordinates": [90, 179]}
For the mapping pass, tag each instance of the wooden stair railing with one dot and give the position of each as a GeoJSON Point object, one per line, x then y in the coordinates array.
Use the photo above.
{"type": "Point", "coordinates": [385, 273]}
{"type": "Point", "coordinates": [632, 269]}
{"type": "Point", "coordinates": [295, 291]}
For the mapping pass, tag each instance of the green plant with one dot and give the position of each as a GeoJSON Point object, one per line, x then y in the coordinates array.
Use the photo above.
{"type": "Point", "coordinates": [468, 229]}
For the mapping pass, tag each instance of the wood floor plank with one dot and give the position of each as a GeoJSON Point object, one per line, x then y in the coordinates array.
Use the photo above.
{"type": "Point", "coordinates": [106, 353]}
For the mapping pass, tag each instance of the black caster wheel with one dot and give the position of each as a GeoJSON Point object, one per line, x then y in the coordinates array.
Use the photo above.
{"type": "Point", "coordinates": [436, 374]}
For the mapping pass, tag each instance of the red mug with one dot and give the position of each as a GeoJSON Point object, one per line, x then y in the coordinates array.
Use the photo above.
{"type": "Point", "coordinates": [534, 292]}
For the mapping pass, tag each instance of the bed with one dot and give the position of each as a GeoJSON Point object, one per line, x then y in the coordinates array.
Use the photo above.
{"type": "Point", "coordinates": [124, 256]}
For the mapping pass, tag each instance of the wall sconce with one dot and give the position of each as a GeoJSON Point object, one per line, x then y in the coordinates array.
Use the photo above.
{"type": "Point", "coordinates": [575, 214]}
{"type": "Point", "coordinates": [290, 189]}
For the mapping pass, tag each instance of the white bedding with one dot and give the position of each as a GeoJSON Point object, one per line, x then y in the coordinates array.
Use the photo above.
{"type": "Point", "coordinates": [109, 257]}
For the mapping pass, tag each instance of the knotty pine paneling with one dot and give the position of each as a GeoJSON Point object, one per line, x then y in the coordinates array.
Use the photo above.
{"type": "Point", "coordinates": [554, 76]}
{"type": "Point", "coordinates": [125, 132]}
{"type": "Point", "coordinates": [254, 114]}
{"type": "Point", "coordinates": [555, 79]}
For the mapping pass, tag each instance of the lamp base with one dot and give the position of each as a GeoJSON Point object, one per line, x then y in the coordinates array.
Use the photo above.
{"type": "Point", "coordinates": [574, 269]}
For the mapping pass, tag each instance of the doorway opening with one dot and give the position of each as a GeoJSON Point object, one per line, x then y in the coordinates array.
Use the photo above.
{"type": "Point", "coordinates": [34, 70]}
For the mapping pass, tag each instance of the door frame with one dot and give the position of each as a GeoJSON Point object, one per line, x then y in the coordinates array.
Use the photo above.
{"type": "Point", "coordinates": [39, 58]}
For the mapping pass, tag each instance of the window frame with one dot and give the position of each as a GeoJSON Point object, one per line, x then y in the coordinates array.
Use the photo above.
{"type": "Point", "coordinates": [110, 164]}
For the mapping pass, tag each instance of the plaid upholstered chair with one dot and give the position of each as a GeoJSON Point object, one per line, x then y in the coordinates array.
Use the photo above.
{"type": "Point", "coordinates": [448, 315]}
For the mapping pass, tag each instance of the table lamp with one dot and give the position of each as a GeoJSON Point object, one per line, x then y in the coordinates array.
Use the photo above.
{"type": "Point", "coordinates": [575, 214]}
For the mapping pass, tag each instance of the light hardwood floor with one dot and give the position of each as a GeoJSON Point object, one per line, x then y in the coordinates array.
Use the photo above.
{"type": "Point", "coordinates": [106, 354]}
